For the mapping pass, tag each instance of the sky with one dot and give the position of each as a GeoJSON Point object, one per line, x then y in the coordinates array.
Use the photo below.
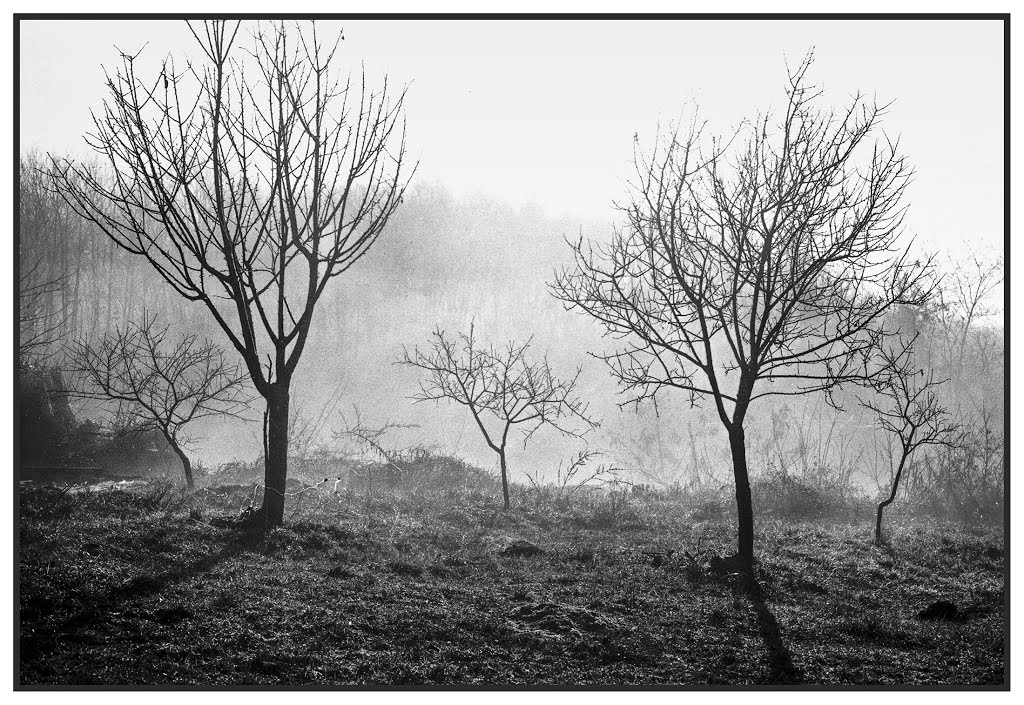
{"type": "Point", "coordinates": [546, 111]}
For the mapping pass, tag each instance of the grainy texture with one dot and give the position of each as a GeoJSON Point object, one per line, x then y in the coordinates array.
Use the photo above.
{"type": "Point", "coordinates": [122, 588]}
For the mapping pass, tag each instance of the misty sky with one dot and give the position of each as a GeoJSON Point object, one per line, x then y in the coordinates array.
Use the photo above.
{"type": "Point", "coordinates": [546, 111]}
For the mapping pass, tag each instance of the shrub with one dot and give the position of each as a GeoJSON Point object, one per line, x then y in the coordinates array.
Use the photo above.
{"type": "Point", "coordinates": [781, 495]}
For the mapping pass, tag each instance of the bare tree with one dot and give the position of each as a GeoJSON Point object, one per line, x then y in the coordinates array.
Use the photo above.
{"type": "Point", "coordinates": [247, 195]}
{"type": "Point", "coordinates": [501, 384]}
{"type": "Point", "coordinates": [42, 313]}
{"type": "Point", "coordinates": [909, 411]}
{"type": "Point", "coordinates": [161, 384]}
{"type": "Point", "coordinates": [963, 299]}
{"type": "Point", "coordinates": [50, 244]}
{"type": "Point", "coordinates": [766, 269]}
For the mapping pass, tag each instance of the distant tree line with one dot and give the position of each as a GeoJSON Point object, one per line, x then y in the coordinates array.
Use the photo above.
{"type": "Point", "coordinates": [769, 264]}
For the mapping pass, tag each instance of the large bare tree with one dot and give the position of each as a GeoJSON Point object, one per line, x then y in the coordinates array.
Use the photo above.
{"type": "Point", "coordinates": [760, 265]}
{"type": "Point", "coordinates": [158, 382]}
{"type": "Point", "coordinates": [249, 182]}
{"type": "Point", "coordinates": [501, 387]}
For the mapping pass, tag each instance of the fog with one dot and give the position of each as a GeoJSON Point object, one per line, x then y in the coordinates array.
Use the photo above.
{"type": "Point", "coordinates": [520, 150]}
{"type": "Point", "coordinates": [447, 262]}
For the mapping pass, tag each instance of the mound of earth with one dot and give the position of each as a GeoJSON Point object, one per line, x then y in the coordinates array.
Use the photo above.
{"type": "Point", "coordinates": [522, 549]}
{"type": "Point", "coordinates": [562, 619]}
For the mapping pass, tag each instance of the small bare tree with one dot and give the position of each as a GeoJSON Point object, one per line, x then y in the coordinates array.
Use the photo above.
{"type": "Point", "coordinates": [162, 383]}
{"type": "Point", "coordinates": [758, 271]}
{"type": "Point", "coordinates": [964, 298]}
{"type": "Point", "coordinates": [249, 181]}
{"type": "Point", "coordinates": [498, 383]}
{"type": "Point", "coordinates": [909, 411]}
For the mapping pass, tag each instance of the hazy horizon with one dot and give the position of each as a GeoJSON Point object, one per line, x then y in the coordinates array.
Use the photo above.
{"type": "Point", "coordinates": [525, 131]}
{"type": "Point", "coordinates": [545, 112]}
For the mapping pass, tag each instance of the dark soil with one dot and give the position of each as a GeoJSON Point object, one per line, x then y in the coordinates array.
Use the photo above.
{"type": "Point", "coordinates": [118, 588]}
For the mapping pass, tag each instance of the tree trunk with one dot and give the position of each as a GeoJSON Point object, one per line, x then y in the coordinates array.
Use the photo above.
{"type": "Point", "coordinates": [185, 462]}
{"type": "Point", "coordinates": [892, 496]}
{"type": "Point", "coordinates": [276, 467]}
{"type": "Point", "coordinates": [504, 477]}
{"type": "Point", "coordinates": [744, 506]}
{"type": "Point", "coordinates": [75, 299]}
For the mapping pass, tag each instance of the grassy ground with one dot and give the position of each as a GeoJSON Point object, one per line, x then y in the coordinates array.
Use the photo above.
{"type": "Point", "coordinates": [155, 588]}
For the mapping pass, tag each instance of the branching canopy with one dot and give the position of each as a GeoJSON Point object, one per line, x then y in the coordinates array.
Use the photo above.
{"type": "Point", "coordinates": [161, 382]}
{"type": "Point", "coordinates": [41, 324]}
{"type": "Point", "coordinates": [499, 382]}
{"type": "Point", "coordinates": [776, 261]}
{"type": "Point", "coordinates": [907, 406]}
{"type": "Point", "coordinates": [248, 182]}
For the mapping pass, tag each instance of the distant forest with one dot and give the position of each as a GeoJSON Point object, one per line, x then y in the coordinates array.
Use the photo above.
{"type": "Point", "coordinates": [445, 262]}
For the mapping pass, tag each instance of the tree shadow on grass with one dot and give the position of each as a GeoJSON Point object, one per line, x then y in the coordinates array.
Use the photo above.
{"type": "Point", "coordinates": [781, 669]}
{"type": "Point", "coordinates": [99, 607]}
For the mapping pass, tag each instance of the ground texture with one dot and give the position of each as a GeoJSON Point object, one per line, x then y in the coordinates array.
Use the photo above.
{"type": "Point", "coordinates": [153, 588]}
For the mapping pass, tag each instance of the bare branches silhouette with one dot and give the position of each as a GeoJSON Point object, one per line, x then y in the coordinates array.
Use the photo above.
{"type": "Point", "coordinates": [501, 384]}
{"type": "Point", "coordinates": [159, 382]}
{"type": "Point", "coordinates": [768, 269]}
{"type": "Point", "coordinates": [247, 195]}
